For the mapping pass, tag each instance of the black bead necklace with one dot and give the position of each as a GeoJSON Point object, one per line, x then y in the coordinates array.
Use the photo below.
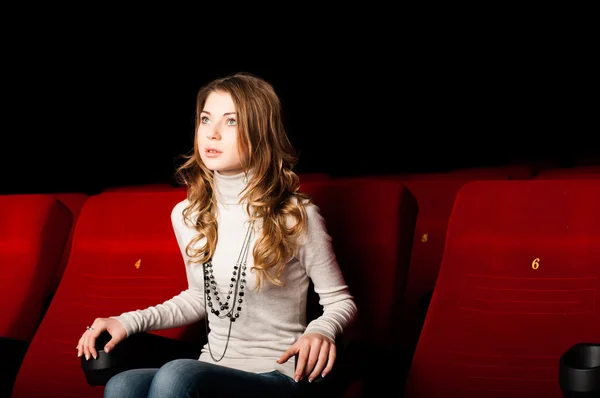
{"type": "Point", "coordinates": [236, 288]}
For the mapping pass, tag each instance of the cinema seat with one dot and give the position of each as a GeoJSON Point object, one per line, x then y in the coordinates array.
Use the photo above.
{"type": "Point", "coordinates": [517, 287]}
{"type": "Point", "coordinates": [435, 199]}
{"type": "Point", "coordinates": [34, 229]}
{"type": "Point", "coordinates": [435, 194]}
{"type": "Point", "coordinates": [578, 173]}
{"type": "Point", "coordinates": [74, 202]}
{"type": "Point", "coordinates": [124, 257]}
{"type": "Point", "coordinates": [372, 226]}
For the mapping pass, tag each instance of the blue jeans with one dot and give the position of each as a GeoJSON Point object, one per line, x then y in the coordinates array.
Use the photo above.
{"type": "Point", "coordinates": [186, 378]}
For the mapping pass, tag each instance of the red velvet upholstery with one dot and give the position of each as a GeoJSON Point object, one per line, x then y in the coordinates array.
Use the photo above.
{"type": "Point", "coordinates": [33, 232]}
{"type": "Point", "coordinates": [74, 202]}
{"type": "Point", "coordinates": [517, 287]}
{"type": "Point", "coordinates": [115, 233]}
{"type": "Point", "coordinates": [372, 225]}
{"type": "Point", "coordinates": [435, 199]}
{"type": "Point", "coordinates": [435, 194]}
{"type": "Point", "coordinates": [581, 172]}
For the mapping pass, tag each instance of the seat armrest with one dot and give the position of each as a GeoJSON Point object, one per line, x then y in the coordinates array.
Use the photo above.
{"type": "Point", "coordinates": [141, 350]}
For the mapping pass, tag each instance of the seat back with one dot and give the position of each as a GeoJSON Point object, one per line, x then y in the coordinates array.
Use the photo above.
{"type": "Point", "coordinates": [34, 230]}
{"type": "Point", "coordinates": [435, 199]}
{"type": "Point", "coordinates": [124, 257]}
{"type": "Point", "coordinates": [33, 233]}
{"type": "Point", "coordinates": [435, 194]}
{"type": "Point", "coordinates": [518, 285]}
{"type": "Point", "coordinates": [371, 223]}
{"type": "Point", "coordinates": [74, 202]}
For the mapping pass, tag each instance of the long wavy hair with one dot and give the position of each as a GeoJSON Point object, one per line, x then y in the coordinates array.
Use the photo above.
{"type": "Point", "coordinates": [272, 193]}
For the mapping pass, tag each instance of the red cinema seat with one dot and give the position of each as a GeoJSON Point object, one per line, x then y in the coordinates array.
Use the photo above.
{"type": "Point", "coordinates": [517, 287]}
{"type": "Point", "coordinates": [435, 199]}
{"type": "Point", "coordinates": [34, 229]}
{"type": "Point", "coordinates": [577, 173]}
{"type": "Point", "coordinates": [124, 257]}
{"type": "Point", "coordinates": [371, 223]}
{"type": "Point", "coordinates": [435, 194]}
{"type": "Point", "coordinates": [74, 202]}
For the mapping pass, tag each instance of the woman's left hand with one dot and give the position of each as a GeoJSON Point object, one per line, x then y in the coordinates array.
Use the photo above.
{"type": "Point", "coordinates": [316, 356]}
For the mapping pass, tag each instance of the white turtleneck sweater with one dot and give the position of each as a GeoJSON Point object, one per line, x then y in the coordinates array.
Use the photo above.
{"type": "Point", "coordinates": [270, 320]}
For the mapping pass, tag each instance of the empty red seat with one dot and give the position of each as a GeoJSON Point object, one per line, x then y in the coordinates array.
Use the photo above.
{"type": "Point", "coordinates": [371, 223]}
{"type": "Point", "coordinates": [34, 229]}
{"type": "Point", "coordinates": [435, 199]}
{"type": "Point", "coordinates": [435, 194]}
{"type": "Point", "coordinates": [518, 286]}
{"type": "Point", "coordinates": [124, 257]}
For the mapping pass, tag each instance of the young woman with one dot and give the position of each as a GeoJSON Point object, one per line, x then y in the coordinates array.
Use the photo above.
{"type": "Point", "coordinates": [251, 243]}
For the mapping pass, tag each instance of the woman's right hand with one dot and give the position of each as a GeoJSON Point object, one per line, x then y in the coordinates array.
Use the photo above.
{"type": "Point", "coordinates": [87, 342]}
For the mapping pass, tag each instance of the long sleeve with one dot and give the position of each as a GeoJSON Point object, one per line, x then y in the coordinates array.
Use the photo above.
{"type": "Point", "coordinates": [185, 308]}
{"type": "Point", "coordinates": [318, 257]}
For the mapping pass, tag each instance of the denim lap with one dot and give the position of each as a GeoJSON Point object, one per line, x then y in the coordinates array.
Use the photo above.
{"type": "Point", "coordinates": [183, 378]}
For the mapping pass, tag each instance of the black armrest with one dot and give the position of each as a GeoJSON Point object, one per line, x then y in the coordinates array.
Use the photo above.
{"type": "Point", "coordinates": [141, 350]}
{"type": "Point", "coordinates": [345, 370]}
{"type": "Point", "coordinates": [358, 361]}
{"type": "Point", "coordinates": [579, 371]}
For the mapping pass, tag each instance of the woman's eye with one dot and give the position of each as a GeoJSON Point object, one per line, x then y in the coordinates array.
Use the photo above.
{"type": "Point", "coordinates": [204, 119]}
{"type": "Point", "coordinates": [231, 122]}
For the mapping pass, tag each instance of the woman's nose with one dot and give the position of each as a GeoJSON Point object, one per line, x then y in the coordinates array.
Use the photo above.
{"type": "Point", "coordinates": [212, 134]}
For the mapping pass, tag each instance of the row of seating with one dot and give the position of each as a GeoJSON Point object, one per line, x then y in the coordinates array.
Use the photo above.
{"type": "Point", "coordinates": [459, 238]}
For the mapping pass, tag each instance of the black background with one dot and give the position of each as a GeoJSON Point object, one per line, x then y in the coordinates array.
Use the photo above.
{"type": "Point", "coordinates": [83, 115]}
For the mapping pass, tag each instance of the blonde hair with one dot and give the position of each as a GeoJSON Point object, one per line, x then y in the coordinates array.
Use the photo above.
{"type": "Point", "coordinates": [272, 193]}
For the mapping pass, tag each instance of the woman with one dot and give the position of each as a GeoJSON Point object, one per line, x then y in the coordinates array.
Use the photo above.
{"type": "Point", "coordinates": [251, 243]}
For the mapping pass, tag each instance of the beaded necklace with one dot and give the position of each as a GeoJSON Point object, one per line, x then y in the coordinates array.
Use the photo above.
{"type": "Point", "coordinates": [236, 288]}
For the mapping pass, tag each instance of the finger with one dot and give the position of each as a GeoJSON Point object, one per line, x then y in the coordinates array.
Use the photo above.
{"type": "Point", "coordinates": [313, 356]}
{"type": "Point", "coordinates": [91, 341]}
{"type": "Point", "coordinates": [86, 351]}
{"type": "Point", "coordinates": [330, 360]}
{"type": "Point", "coordinates": [111, 344]}
{"type": "Point", "coordinates": [80, 346]}
{"type": "Point", "coordinates": [290, 352]}
{"type": "Point", "coordinates": [321, 362]}
{"type": "Point", "coordinates": [301, 363]}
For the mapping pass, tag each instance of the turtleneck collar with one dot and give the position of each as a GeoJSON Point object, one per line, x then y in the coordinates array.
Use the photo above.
{"type": "Point", "coordinates": [228, 188]}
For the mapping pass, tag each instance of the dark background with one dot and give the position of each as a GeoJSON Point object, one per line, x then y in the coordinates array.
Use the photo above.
{"type": "Point", "coordinates": [120, 111]}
